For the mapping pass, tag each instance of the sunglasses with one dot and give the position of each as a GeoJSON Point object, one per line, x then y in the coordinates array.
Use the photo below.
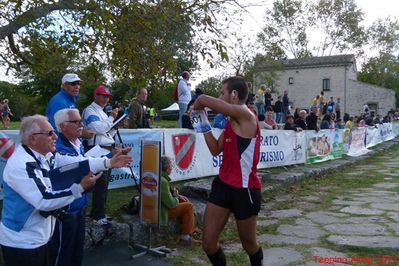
{"type": "Point", "coordinates": [77, 122]}
{"type": "Point", "coordinates": [49, 133]}
{"type": "Point", "coordinates": [73, 83]}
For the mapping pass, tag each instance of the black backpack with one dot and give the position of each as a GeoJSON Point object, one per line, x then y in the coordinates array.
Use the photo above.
{"type": "Point", "coordinates": [133, 207]}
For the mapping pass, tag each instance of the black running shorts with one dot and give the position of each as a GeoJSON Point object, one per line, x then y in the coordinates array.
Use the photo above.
{"type": "Point", "coordinates": [243, 202]}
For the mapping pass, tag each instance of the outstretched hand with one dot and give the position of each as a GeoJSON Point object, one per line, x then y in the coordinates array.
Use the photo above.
{"type": "Point", "coordinates": [90, 180]}
{"type": "Point", "coordinates": [125, 151]}
{"type": "Point", "coordinates": [120, 160]}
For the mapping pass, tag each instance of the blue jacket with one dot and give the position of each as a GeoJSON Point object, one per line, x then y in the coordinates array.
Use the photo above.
{"type": "Point", "coordinates": [64, 147]}
{"type": "Point", "coordinates": [59, 101]}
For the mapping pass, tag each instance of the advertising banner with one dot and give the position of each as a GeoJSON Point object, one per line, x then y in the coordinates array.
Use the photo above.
{"type": "Point", "coordinates": [150, 182]}
{"type": "Point", "coordinates": [319, 145]}
{"type": "Point", "coordinates": [338, 143]}
{"type": "Point", "coordinates": [373, 136]}
{"type": "Point", "coordinates": [395, 128]}
{"type": "Point", "coordinates": [9, 139]}
{"type": "Point", "coordinates": [346, 133]}
{"type": "Point", "coordinates": [386, 131]}
{"type": "Point", "coordinates": [189, 153]}
{"type": "Point", "coordinates": [357, 146]}
{"type": "Point", "coordinates": [122, 177]}
{"type": "Point", "coordinates": [281, 147]}
{"type": "Point", "coordinates": [191, 157]}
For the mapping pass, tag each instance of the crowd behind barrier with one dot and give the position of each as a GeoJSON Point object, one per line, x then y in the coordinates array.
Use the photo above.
{"type": "Point", "coordinates": [191, 157]}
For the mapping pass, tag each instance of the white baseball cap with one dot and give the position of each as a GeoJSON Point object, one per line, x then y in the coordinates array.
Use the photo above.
{"type": "Point", "coordinates": [70, 77]}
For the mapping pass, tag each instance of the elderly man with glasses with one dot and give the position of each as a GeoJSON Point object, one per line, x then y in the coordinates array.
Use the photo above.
{"type": "Point", "coordinates": [67, 241]}
{"type": "Point", "coordinates": [29, 202]}
{"type": "Point", "coordinates": [66, 98]}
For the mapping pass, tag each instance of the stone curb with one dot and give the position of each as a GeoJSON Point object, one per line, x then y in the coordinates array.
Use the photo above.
{"type": "Point", "coordinates": [132, 231]}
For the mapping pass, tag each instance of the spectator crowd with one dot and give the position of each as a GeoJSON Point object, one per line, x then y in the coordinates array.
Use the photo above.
{"type": "Point", "coordinates": [42, 225]}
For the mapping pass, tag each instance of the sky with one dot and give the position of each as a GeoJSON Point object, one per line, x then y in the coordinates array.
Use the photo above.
{"type": "Point", "coordinates": [253, 22]}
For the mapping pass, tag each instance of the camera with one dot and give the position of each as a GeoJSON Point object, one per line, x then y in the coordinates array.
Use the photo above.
{"type": "Point", "coordinates": [59, 214]}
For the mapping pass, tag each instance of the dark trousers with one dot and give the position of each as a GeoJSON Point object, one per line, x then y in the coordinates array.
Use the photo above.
{"type": "Point", "coordinates": [100, 192]}
{"type": "Point", "coordinates": [68, 239]}
{"type": "Point", "coordinates": [338, 115]}
{"type": "Point", "coordinates": [26, 257]}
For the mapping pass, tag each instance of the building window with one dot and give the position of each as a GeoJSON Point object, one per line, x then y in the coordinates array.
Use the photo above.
{"type": "Point", "coordinates": [326, 84]}
{"type": "Point", "coordinates": [290, 80]}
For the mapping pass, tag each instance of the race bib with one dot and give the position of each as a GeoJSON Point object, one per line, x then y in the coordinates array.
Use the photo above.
{"type": "Point", "coordinates": [200, 122]}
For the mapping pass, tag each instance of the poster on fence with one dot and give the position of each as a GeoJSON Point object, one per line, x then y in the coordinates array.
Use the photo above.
{"type": "Point", "coordinates": [319, 145]}
{"type": "Point", "coordinates": [373, 136]}
{"type": "Point", "coordinates": [190, 155]}
{"type": "Point", "coordinates": [281, 147]}
{"type": "Point", "coordinates": [122, 177]}
{"type": "Point", "coordinates": [346, 133]}
{"type": "Point", "coordinates": [337, 143]}
{"type": "Point", "coordinates": [357, 146]}
{"type": "Point", "coordinates": [386, 131]}
{"type": "Point", "coordinates": [395, 128]}
{"type": "Point", "coordinates": [9, 139]}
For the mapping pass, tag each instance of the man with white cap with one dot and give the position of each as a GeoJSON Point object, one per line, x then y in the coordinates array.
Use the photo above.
{"type": "Point", "coordinates": [95, 119]}
{"type": "Point", "coordinates": [66, 98]}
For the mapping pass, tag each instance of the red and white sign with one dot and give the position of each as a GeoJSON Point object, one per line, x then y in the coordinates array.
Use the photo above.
{"type": "Point", "coordinates": [7, 146]}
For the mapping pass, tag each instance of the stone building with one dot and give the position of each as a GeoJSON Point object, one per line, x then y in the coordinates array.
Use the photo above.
{"type": "Point", "coordinates": [335, 75]}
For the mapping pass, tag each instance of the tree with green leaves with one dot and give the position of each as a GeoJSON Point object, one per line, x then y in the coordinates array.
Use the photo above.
{"type": "Point", "coordinates": [145, 43]}
{"type": "Point", "coordinates": [383, 68]}
{"type": "Point", "coordinates": [299, 29]}
{"type": "Point", "coordinates": [210, 86]}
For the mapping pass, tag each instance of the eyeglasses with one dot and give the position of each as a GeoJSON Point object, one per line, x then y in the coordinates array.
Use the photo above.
{"type": "Point", "coordinates": [75, 121]}
{"type": "Point", "coordinates": [49, 133]}
{"type": "Point", "coordinates": [73, 83]}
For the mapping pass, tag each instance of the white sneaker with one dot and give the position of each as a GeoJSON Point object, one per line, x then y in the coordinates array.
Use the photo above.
{"type": "Point", "coordinates": [102, 221]}
{"type": "Point", "coordinates": [109, 218]}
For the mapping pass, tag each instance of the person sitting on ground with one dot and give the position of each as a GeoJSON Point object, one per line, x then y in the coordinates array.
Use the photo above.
{"type": "Point", "coordinates": [174, 205]}
{"type": "Point", "coordinates": [289, 124]}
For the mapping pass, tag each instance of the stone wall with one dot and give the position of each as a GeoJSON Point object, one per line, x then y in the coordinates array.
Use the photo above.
{"type": "Point", "coordinates": [308, 82]}
{"type": "Point", "coordinates": [360, 93]}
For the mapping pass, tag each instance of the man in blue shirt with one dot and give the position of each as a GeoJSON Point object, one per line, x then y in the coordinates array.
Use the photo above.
{"type": "Point", "coordinates": [66, 98]}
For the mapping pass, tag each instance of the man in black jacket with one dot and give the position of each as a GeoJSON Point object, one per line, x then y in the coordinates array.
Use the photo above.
{"type": "Point", "coordinates": [311, 119]}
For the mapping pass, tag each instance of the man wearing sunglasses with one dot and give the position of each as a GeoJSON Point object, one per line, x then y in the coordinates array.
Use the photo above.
{"type": "Point", "coordinates": [66, 98]}
{"type": "Point", "coordinates": [67, 241]}
{"type": "Point", "coordinates": [95, 119]}
{"type": "Point", "coordinates": [29, 202]}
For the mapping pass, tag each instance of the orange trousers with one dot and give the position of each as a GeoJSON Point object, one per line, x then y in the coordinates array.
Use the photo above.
{"type": "Point", "coordinates": [185, 213]}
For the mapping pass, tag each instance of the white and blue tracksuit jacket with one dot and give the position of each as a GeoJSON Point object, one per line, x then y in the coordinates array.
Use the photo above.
{"type": "Point", "coordinates": [27, 190]}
